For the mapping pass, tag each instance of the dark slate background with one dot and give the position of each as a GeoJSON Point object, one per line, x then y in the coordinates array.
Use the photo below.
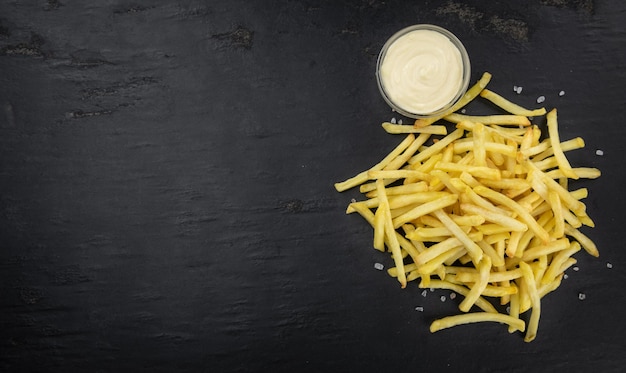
{"type": "Point", "coordinates": [166, 185]}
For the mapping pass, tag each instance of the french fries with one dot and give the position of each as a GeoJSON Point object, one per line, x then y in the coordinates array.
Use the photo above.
{"type": "Point", "coordinates": [484, 211]}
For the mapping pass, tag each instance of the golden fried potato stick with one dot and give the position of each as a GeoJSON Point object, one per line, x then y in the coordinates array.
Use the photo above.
{"type": "Point", "coordinates": [409, 128]}
{"type": "Point", "coordinates": [549, 248]}
{"type": "Point", "coordinates": [468, 318]}
{"type": "Point", "coordinates": [529, 279]}
{"type": "Point", "coordinates": [469, 95]}
{"type": "Point", "coordinates": [379, 227]}
{"type": "Point", "coordinates": [508, 106]}
{"type": "Point", "coordinates": [494, 217]}
{"type": "Point", "coordinates": [390, 233]}
{"type": "Point", "coordinates": [424, 209]}
{"type": "Point", "coordinates": [515, 120]}
{"type": "Point", "coordinates": [401, 189]}
{"type": "Point", "coordinates": [480, 302]}
{"type": "Point", "coordinates": [553, 131]}
{"type": "Point", "coordinates": [484, 266]}
{"type": "Point", "coordinates": [584, 241]}
{"type": "Point", "coordinates": [557, 209]}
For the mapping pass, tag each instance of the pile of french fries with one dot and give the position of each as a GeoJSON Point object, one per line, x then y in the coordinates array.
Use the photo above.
{"type": "Point", "coordinates": [484, 211]}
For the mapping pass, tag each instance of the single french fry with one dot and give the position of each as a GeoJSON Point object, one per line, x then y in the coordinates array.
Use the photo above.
{"type": "Point", "coordinates": [390, 233]}
{"type": "Point", "coordinates": [401, 190]}
{"type": "Point", "coordinates": [424, 209]}
{"type": "Point", "coordinates": [515, 120]}
{"type": "Point", "coordinates": [584, 241]}
{"type": "Point", "coordinates": [529, 280]}
{"type": "Point", "coordinates": [480, 302]}
{"type": "Point", "coordinates": [408, 128]}
{"type": "Point", "coordinates": [484, 266]}
{"type": "Point", "coordinates": [474, 317]}
{"type": "Point", "coordinates": [553, 132]}
{"type": "Point", "coordinates": [379, 228]}
{"type": "Point", "coordinates": [549, 248]}
{"type": "Point", "coordinates": [398, 174]}
{"type": "Point", "coordinates": [494, 217]}
{"type": "Point", "coordinates": [509, 106]}
{"type": "Point", "coordinates": [477, 171]}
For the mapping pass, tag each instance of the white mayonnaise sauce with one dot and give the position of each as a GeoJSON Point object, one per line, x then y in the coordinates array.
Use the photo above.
{"type": "Point", "coordinates": [422, 71]}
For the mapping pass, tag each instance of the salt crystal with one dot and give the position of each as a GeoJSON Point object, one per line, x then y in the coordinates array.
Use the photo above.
{"type": "Point", "coordinates": [432, 289]}
{"type": "Point", "coordinates": [508, 309]}
{"type": "Point", "coordinates": [514, 88]}
{"type": "Point", "coordinates": [452, 295]}
{"type": "Point", "coordinates": [541, 99]}
{"type": "Point", "coordinates": [609, 265]}
{"type": "Point", "coordinates": [463, 111]}
{"type": "Point", "coordinates": [393, 120]}
{"type": "Point", "coordinates": [424, 293]}
{"type": "Point", "coordinates": [353, 200]}
{"type": "Point", "coordinates": [562, 93]}
{"type": "Point", "coordinates": [565, 276]}
{"type": "Point", "coordinates": [399, 121]}
{"type": "Point", "coordinates": [599, 152]}
{"type": "Point", "coordinates": [582, 296]}
{"type": "Point", "coordinates": [518, 90]}
{"type": "Point", "coordinates": [443, 298]}
{"type": "Point", "coordinates": [576, 269]}
{"type": "Point", "coordinates": [379, 266]}
{"type": "Point", "coordinates": [419, 308]}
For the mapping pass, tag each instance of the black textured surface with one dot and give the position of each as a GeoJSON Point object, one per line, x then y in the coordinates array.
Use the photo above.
{"type": "Point", "coordinates": [166, 172]}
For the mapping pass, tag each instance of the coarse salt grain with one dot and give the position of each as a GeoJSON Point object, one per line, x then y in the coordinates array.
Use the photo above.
{"type": "Point", "coordinates": [399, 121]}
{"type": "Point", "coordinates": [393, 120]}
{"type": "Point", "coordinates": [514, 88]}
{"type": "Point", "coordinates": [609, 265]}
{"type": "Point", "coordinates": [443, 298]}
{"type": "Point", "coordinates": [575, 269]}
{"type": "Point", "coordinates": [518, 90]}
{"type": "Point", "coordinates": [541, 99]}
{"type": "Point", "coordinates": [432, 289]}
{"type": "Point", "coordinates": [419, 308]}
{"type": "Point", "coordinates": [565, 276]}
{"type": "Point", "coordinates": [424, 293]}
{"type": "Point", "coordinates": [562, 93]}
{"type": "Point", "coordinates": [508, 309]}
{"type": "Point", "coordinates": [379, 266]}
{"type": "Point", "coordinates": [452, 295]}
{"type": "Point", "coordinates": [599, 152]}
{"type": "Point", "coordinates": [582, 296]}
{"type": "Point", "coordinates": [463, 111]}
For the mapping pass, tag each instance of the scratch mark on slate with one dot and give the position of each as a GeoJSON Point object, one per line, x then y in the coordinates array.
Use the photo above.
{"type": "Point", "coordinates": [77, 114]}
{"type": "Point", "coordinates": [31, 48]}
{"type": "Point", "coordinates": [240, 37]}
{"type": "Point", "coordinates": [478, 21]}
{"type": "Point", "coordinates": [53, 5]}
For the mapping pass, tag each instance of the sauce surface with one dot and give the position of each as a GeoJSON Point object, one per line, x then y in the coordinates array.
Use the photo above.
{"type": "Point", "coordinates": [422, 71]}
